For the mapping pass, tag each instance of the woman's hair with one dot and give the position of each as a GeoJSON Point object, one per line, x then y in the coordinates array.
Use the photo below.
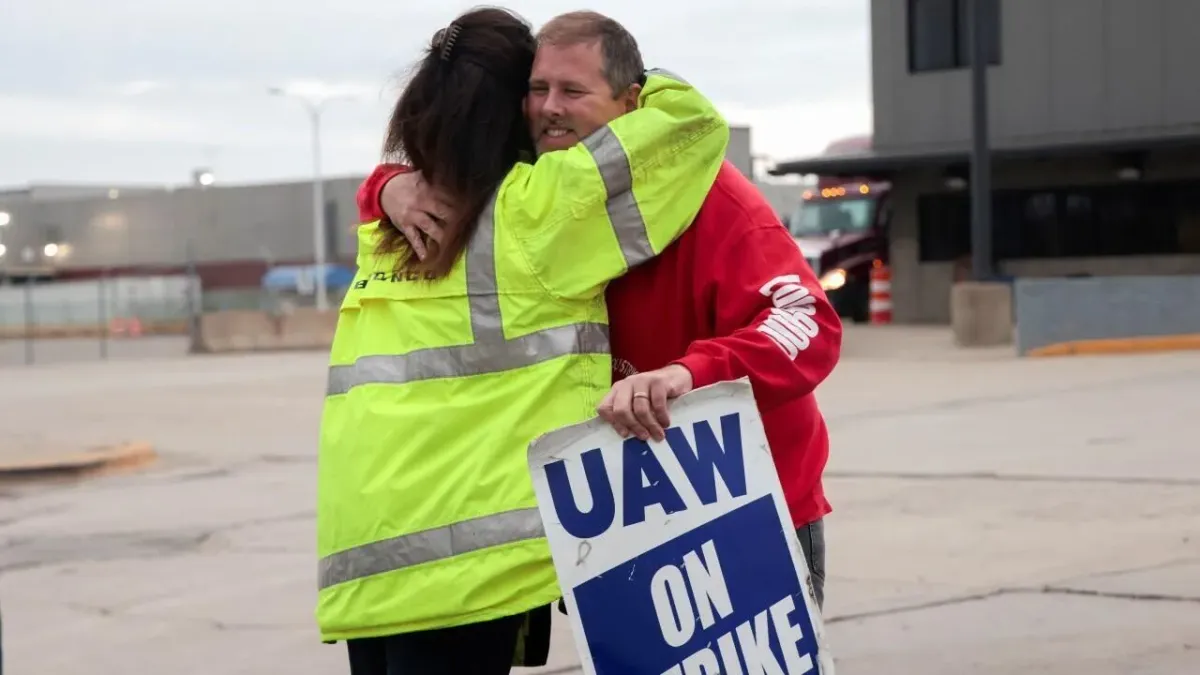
{"type": "Point", "coordinates": [460, 122]}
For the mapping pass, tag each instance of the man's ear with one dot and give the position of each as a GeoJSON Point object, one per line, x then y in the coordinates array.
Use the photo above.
{"type": "Point", "coordinates": [631, 97]}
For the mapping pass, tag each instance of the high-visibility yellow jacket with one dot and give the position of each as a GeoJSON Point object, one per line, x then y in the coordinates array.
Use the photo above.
{"type": "Point", "coordinates": [426, 514]}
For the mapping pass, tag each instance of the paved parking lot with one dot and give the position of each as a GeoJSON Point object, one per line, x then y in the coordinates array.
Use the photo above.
{"type": "Point", "coordinates": [992, 515]}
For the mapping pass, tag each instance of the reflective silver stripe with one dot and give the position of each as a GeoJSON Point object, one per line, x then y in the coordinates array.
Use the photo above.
{"type": "Point", "coordinates": [483, 293]}
{"type": "Point", "coordinates": [622, 207]}
{"type": "Point", "coordinates": [473, 359]}
{"type": "Point", "coordinates": [430, 545]}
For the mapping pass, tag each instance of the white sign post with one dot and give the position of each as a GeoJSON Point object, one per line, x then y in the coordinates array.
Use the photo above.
{"type": "Point", "coordinates": [679, 557]}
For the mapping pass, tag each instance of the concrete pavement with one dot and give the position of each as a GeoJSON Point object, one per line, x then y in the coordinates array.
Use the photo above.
{"type": "Point", "coordinates": [992, 515]}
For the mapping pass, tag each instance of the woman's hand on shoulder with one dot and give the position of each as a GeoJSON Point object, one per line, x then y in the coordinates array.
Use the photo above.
{"type": "Point", "coordinates": [417, 209]}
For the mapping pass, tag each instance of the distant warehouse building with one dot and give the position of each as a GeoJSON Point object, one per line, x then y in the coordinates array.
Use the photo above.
{"type": "Point", "coordinates": [230, 235]}
{"type": "Point", "coordinates": [1095, 130]}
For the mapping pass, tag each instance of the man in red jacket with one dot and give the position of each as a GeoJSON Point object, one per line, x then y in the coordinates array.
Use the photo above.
{"type": "Point", "coordinates": [732, 297]}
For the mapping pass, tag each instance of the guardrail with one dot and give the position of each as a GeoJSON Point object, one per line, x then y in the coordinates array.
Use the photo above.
{"type": "Point", "coordinates": [1106, 314]}
{"type": "Point", "coordinates": [253, 331]}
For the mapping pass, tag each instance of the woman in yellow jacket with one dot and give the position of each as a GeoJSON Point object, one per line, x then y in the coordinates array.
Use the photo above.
{"type": "Point", "coordinates": [444, 369]}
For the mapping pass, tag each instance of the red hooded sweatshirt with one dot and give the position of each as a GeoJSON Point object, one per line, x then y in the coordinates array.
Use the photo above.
{"type": "Point", "coordinates": [732, 297]}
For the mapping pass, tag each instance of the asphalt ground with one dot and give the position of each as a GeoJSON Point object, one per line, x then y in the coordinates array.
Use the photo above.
{"type": "Point", "coordinates": [991, 515]}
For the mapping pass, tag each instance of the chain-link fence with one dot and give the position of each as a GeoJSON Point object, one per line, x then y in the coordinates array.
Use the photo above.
{"type": "Point", "coordinates": [108, 317]}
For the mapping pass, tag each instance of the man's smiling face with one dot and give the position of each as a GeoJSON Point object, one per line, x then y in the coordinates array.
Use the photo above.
{"type": "Point", "coordinates": [569, 96]}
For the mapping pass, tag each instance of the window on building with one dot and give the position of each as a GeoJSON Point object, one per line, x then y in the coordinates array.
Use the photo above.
{"type": "Point", "coordinates": [939, 34]}
{"type": "Point", "coordinates": [1122, 219]}
{"type": "Point", "coordinates": [944, 232]}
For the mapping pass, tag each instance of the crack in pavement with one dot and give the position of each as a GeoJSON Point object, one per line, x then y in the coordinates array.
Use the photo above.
{"type": "Point", "coordinates": [988, 595]}
{"type": "Point", "coordinates": [1014, 477]}
{"type": "Point", "coordinates": [904, 609]}
{"type": "Point", "coordinates": [1153, 567]}
{"type": "Point", "coordinates": [34, 552]}
{"type": "Point", "coordinates": [1117, 595]}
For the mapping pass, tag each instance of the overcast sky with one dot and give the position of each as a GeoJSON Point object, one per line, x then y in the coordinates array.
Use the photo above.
{"type": "Point", "coordinates": [115, 91]}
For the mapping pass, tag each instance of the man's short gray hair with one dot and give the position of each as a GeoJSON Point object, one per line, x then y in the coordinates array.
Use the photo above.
{"type": "Point", "coordinates": [623, 66]}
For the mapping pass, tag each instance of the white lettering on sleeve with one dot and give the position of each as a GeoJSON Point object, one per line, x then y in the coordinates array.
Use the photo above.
{"type": "Point", "coordinates": [790, 323]}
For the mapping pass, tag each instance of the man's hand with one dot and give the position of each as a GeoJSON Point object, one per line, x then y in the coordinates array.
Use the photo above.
{"type": "Point", "coordinates": [638, 404]}
{"type": "Point", "coordinates": [415, 207]}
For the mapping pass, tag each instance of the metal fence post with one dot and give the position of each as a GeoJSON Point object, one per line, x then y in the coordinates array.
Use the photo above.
{"type": "Point", "coordinates": [102, 313]}
{"type": "Point", "coordinates": [194, 302]}
{"type": "Point", "coordinates": [981, 153]}
{"type": "Point", "coordinates": [29, 327]}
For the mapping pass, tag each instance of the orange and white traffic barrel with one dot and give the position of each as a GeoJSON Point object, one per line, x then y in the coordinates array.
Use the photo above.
{"type": "Point", "coordinates": [125, 327]}
{"type": "Point", "coordinates": [880, 303]}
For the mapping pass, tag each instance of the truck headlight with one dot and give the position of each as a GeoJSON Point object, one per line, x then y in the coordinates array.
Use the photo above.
{"type": "Point", "coordinates": [833, 279]}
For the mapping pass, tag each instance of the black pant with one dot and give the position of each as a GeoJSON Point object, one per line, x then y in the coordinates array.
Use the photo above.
{"type": "Point", "coordinates": [475, 649]}
{"type": "Point", "coordinates": [812, 541]}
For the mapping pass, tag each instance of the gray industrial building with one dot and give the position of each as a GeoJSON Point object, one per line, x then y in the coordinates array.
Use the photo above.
{"type": "Point", "coordinates": [229, 232]}
{"type": "Point", "coordinates": [1095, 134]}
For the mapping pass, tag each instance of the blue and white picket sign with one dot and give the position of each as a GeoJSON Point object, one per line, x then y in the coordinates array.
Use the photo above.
{"type": "Point", "coordinates": [679, 557]}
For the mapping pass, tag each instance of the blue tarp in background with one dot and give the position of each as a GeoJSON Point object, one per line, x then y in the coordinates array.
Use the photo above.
{"type": "Point", "coordinates": [302, 279]}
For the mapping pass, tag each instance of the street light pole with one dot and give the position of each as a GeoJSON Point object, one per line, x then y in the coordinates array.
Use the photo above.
{"type": "Point", "coordinates": [313, 106]}
{"type": "Point", "coordinates": [5, 219]}
{"type": "Point", "coordinates": [319, 226]}
{"type": "Point", "coordinates": [981, 160]}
